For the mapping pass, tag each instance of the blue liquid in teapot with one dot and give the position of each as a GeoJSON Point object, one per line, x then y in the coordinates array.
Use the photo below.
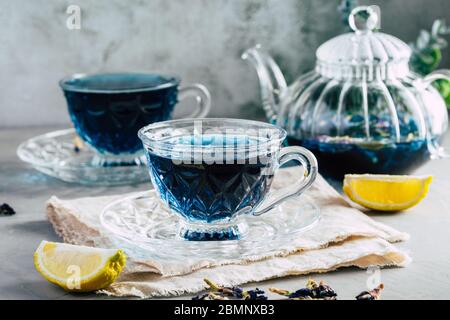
{"type": "Point", "coordinates": [339, 158]}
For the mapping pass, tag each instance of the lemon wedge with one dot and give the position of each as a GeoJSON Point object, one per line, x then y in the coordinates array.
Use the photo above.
{"type": "Point", "coordinates": [78, 268]}
{"type": "Point", "coordinates": [386, 192]}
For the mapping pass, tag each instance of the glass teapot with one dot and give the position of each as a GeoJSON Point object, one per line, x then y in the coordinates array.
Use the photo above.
{"type": "Point", "coordinates": [362, 110]}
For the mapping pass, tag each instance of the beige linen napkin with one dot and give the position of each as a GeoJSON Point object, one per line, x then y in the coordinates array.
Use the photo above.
{"type": "Point", "coordinates": [343, 237]}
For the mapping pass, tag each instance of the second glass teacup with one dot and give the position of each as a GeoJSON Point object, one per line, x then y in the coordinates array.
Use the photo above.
{"type": "Point", "coordinates": [210, 171]}
{"type": "Point", "coordinates": [107, 110]}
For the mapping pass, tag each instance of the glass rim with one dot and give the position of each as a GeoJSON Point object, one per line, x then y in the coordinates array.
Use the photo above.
{"type": "Point", "coordinates": [173, 80]}
{"type": "Point", "coordinates": [278, 135]}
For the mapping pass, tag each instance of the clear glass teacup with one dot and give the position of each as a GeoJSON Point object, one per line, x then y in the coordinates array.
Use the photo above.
{"type": "Point", "coordinates": [108, 109]}
{"type": "Point", "coordinates": [211, 171]}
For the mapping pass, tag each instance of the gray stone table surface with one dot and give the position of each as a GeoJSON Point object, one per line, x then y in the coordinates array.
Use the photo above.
{"type": "Point", "coordinates": [427, 277]}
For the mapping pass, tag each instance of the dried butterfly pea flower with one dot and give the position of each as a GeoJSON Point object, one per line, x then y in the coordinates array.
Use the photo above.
{"type": "Point", "coordinates": [303, 293]}
{"type": "Point", "coordinates": [373, 294]}
{"type": "Point", "coordinates": [321, 290]}
{"type": "Point", "coordinates": [300, 294]}
{"type": "Point", "coordinates": [313, 290]}
{"type": "Point", "coordinates": [222, 293]}
{"type": "Point", "coordinates": [236, 292]}
{"type": "Point", "coordinates": [256, 294]}
{"type": "Point", "coordinates": [6, 210]}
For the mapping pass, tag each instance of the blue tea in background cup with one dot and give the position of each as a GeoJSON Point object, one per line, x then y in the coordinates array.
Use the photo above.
{"type": "Point", "coordinates": [210, 171]}
{"type": "Point", "coordinates": [107, 110]}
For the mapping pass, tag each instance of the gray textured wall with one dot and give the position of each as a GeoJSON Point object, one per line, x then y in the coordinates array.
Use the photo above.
{"type": "Point", "coordinates": [201, 40]}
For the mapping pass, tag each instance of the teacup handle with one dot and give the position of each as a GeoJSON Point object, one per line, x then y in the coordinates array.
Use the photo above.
{"type": "Point", "coordinates": [437, 151]}
{"type": "Point", "coordinates": [201, 94]}
{"type": "Point", "coordinates": [308, 161]}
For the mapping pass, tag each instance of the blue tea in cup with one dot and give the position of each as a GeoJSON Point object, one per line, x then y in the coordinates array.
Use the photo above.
{"type": "Point", "coordinates": [107, 110]}
{"type": "Point", "coordinates": [210, 171]}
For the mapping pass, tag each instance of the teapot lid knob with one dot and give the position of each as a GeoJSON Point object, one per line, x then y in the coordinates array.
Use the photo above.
{"type": "Point", "coordinates": [363, 19]}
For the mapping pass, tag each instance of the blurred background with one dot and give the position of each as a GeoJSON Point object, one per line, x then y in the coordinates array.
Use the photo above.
{"type": "Point", "coordinates": [199, 40]}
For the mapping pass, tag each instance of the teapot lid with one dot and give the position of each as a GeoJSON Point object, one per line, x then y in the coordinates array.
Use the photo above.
{"type": "Point", "coordinates": [364, 53]}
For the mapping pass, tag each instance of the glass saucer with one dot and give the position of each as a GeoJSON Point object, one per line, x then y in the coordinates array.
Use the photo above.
{"type": "Point", "coordinates": [55, 154]}
{"type": "Point", "coordinates": [143, 221]}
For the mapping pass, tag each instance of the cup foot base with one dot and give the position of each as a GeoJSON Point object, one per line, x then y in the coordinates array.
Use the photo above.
{"type": "Point", "coordinates": [196, 232]}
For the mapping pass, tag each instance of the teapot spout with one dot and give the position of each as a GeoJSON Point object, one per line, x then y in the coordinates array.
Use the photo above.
{"type": "Point", "coordinates": [271, 80]}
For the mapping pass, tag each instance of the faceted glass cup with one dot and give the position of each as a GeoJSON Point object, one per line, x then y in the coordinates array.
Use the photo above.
{"type": "Point", "coordinates": [107, 110]}
{"type": "Point", "coordinates": [211, 171]}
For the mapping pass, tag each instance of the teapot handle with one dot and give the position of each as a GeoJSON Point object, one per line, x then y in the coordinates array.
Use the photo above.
{"type": "Point", "coordinates": [436, 149]}
{"type": "Point", "coordinates": [441, 74]}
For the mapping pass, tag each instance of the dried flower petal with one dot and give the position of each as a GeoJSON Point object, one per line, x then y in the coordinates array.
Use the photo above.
{"type": "Point", "coordinates": [6, 210]}
{"type": "Point", "coordinates": [281, 292]}
{"type": "Point", "coordinates": [301, 293]}
{"type": "Point", "coordinates": [212, 285]}
{"type": "Point", "coordinates": [214, 296]}
{"type": "Point", "coordinates": [311, 284]}
{"type": "Point", "coordinates": [78, 144]}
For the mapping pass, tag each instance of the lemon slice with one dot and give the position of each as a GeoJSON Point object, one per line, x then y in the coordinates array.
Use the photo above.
{"type": "Point", "coordinates": [78, 268]}
{"type": "Point", "coordinates": [386, 192]}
